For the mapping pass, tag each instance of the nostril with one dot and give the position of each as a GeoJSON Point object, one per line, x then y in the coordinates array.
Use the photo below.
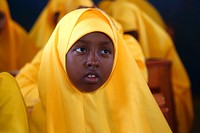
{"type": "Point", "coordinates": [92, 63]}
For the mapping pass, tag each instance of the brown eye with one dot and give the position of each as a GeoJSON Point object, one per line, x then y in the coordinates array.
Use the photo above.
{"type": "Point", "coordinates": [81, 50]}
{"type": "Point", "coordinates": [106, 51]}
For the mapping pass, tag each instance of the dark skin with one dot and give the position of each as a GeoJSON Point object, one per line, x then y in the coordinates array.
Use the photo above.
{"type": "Point", "coordinates": [90, 60]}
{"type": "Point", "coordinates": [2, 21]}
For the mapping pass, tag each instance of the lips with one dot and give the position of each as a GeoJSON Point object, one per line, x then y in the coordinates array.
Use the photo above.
{"type": "Point", "coordinates": [92, 78]}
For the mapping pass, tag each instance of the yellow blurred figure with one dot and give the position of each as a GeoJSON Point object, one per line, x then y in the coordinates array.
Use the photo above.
{"type": "Point", "coordinates": [17, 48]}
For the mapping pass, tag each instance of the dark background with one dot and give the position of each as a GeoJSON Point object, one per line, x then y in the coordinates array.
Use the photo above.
{"type": "Point", "coordinates": [182, 15]}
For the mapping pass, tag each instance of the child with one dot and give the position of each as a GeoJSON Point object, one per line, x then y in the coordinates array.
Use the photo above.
{"type": "Point", "coordinates": [88, 81]}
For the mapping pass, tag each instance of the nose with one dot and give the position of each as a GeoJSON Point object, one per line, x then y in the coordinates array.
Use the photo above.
{"type": "Point", "coordinates": [92, 60]}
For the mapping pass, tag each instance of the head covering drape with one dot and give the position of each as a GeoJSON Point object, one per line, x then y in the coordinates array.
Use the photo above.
{"type": "Point", "coordinates": [123, 104]}
{"type": "Point", "coordinates": [16, 47]}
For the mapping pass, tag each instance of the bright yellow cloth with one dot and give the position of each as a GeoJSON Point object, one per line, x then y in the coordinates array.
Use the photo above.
{"type": "Point", "coordinates": [45, 24]}
{"type": "Point", "coordinates": [13, 115]}
{"type": "Point", "coordinates": [16, 47]}
{"type": "Point", "coordinates": [156, 43]}
{"type": "Point", "coordinates": [124, 104]}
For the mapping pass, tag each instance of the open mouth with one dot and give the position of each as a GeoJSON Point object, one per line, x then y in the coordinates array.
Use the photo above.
{"type": "Point", "coordinates": [92, 78]}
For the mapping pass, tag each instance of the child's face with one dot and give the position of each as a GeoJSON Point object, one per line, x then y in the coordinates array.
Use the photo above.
{"type": "Point", "coordinates": [89, 61]}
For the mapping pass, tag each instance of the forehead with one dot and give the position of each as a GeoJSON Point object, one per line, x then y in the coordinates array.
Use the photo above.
{"type": "Point", "coordinates": [97, 39]}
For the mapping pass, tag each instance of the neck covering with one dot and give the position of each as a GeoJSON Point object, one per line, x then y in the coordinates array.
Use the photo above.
{"type": "Point", "coordinates": [13, 115]}
{"type": "Point", "coordinates": [16, 47]}
{"type": "Point", "coordinates": [156, 43]}
{"type": "Point", "coordinates": [44, 25]}
{"type": "Point", "coordinates": [123, 104]}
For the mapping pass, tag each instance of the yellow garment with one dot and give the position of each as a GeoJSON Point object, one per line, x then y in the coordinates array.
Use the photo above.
{"type": "Point", "coordinates": [16, 47]}
{"type": "Point", "coordinates": [27, 80]}
{"type": "Point", "coordinates": [124, 104]}
{"type": "Point", "coordinates": [156, 43]}
{"type": "Point", "coordinates": [13, 115]}
{"type": "Point", "coordinates": [45, 24]}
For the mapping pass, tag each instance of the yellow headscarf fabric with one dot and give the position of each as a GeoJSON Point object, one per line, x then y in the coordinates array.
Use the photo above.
{"type": "Point", "coordinates": [44, 25]}
{"type": "Point", "coordinates": [124, 104]}
{"type": "Point", "coordinates": [16, 47]}
{"type": "Point", "coordinates": [145, 6]}
{"type": "Point", "coordinates": [156, 43]}
{"type": "Point", "coordinates": [13, 115]}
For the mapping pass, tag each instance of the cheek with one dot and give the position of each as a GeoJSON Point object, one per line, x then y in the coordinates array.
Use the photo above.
{"type": "Point", "coordinates": [74, 66]}
{"type": "Point", "coordinates": [107, 67]}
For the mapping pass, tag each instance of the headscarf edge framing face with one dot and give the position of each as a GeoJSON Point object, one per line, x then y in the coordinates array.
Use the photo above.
{"type": "Point", "coordinates": [63, 44]}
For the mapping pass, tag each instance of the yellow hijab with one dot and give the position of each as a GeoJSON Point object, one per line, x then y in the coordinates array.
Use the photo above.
{"type": "Point", "coordinates": [13, 115]}
{"type": "Point", "coordinates": [123, 104]}
{"type": "Point", "coordinates": [16, 47]}
{"type": "Point", "coordinates": [156, 43]}
{"type": "Point", "coordinates": [145, 6]}
{"type": "Point", "coordinates": [27, 77]}
{"type": "Point", "coordinates": [45, 25]}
